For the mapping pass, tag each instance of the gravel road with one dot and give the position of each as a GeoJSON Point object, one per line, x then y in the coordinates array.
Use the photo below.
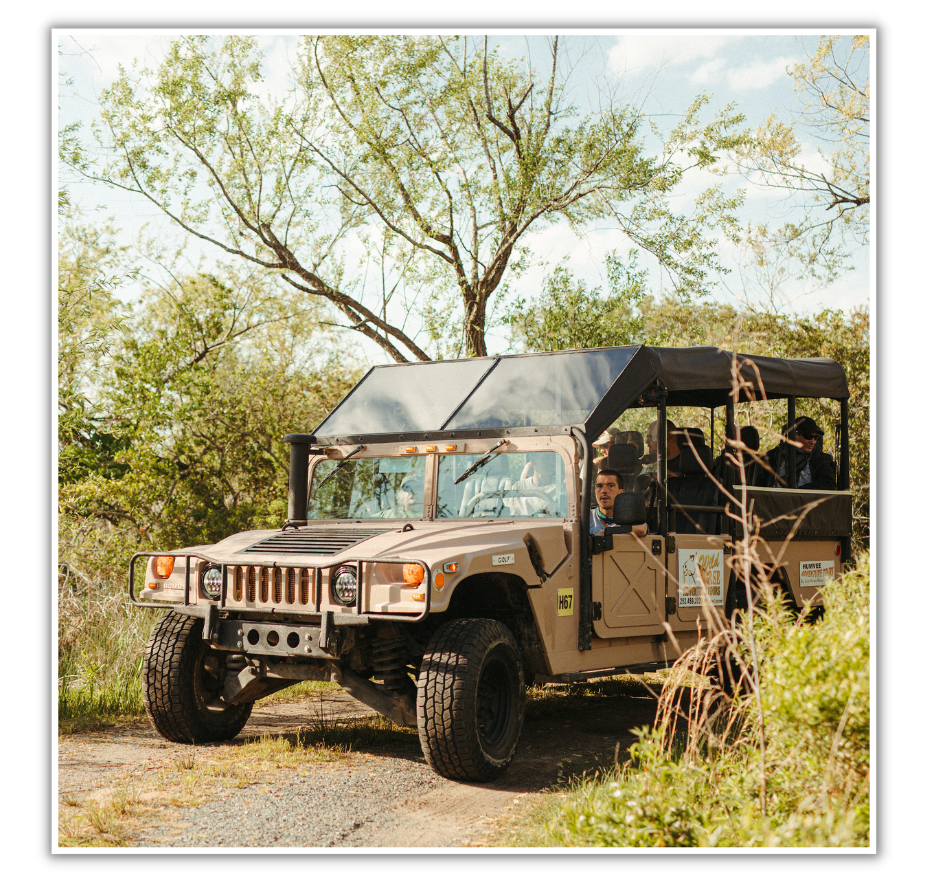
{"type": "Point", "coordinates": [385, 798]}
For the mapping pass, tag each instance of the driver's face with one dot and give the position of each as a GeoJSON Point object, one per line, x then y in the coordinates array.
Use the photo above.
{"type": "Point", "coordinates": [406, 497]}
{"type": "Point", "coordinates": [606, 488]}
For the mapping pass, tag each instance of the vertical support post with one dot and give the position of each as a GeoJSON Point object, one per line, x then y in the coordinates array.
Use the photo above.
{"type": "Point", "coordinates": [729, 473]}
{"type": "Point", "coordinates": [662, 448]}
{"type": "Point", "coordinates": [844, 478]}
{"type": "Point", "coordinates": [585, 557]}
{"type": "Point", "coordinates": [789, 451]}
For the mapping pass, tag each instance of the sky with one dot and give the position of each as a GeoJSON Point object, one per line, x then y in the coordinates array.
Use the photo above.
{"type": "Point", "coordinates": [660, 71]}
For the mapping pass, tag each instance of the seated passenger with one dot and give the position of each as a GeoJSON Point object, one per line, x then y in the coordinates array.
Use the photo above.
{"type": "Point", "coordinates": [672, 449]}
{"type": "Point", "coordinates": [600, 459]}
{"type": "Point", "coordinates": [815, 470]}
{"type": "Point", "coordinates": [607, 485]}
{"type": "Point", "coordinates": [539, 473]}
{"type": "Point", "coordinates": [750, 437]}
{"type": "Point", "coordinates": [635, 438]}
{"type": "Point", "coordinates": [608, 436]}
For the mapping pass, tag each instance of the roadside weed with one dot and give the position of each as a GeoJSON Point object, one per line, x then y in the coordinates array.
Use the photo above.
{"type": "Point", "coordinates": [701, 776]}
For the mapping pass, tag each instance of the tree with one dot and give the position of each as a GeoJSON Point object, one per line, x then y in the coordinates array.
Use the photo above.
{"type": "Point", "coordinates": [426, 158]}
{"type": "Point", "coordinates": [568, 315]}
{"type": "Point", "coordinates": [834, 197]}
{"type": "Point", "coordinates": [198, 395]}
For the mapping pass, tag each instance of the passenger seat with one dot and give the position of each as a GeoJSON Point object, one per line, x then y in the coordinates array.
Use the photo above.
{"type": "Point", "coordinates": [694, 487]}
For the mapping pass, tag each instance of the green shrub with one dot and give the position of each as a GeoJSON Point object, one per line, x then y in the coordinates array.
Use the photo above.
{"type": "Point", "coordinates": [716, 784]}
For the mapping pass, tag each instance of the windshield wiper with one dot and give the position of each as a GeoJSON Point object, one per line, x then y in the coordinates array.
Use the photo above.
{"type": "Point", "coordinates": [482, 461]}
{"type": "Point", "coordinates": [353, 452]}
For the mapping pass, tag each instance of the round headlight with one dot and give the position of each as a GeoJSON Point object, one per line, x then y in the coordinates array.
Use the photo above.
{"type": "Point", "coordinates": [344, 585]}
{"type": "Point", "coordinates": [211, 582]}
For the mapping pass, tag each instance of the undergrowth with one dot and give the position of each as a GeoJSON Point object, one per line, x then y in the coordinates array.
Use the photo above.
{"type": "Point", "coordinates": [790, 770]}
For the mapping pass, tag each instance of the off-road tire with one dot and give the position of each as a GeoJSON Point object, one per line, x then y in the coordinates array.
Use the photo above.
{"type": "Point", "coordinates": [469, 702]}
{"type": "Point", "coordinates": [177, 687]}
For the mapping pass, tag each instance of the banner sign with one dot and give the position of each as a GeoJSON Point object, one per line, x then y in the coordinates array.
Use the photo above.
{"type": "Point", "coordinates": [816, 572]}
{"type": "Point", "coordinates": [701, 572]}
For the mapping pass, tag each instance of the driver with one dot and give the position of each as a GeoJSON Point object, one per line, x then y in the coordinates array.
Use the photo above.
{"type": "Point", "coordinates": [608, 484]}
{"type": "Point", "coordinates": [539, 474]}
{"type": "Point", "coordinates": [408, 495]}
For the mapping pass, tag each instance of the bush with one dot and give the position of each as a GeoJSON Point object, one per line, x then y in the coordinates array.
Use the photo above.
{"type": "Point", "coordinates": [793, 771]}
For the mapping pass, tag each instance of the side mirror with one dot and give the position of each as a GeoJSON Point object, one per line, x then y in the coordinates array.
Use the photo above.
{"type": "Point", "coordinates": [630, 509]}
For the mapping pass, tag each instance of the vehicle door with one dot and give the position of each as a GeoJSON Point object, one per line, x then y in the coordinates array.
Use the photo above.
{"type": "Point", "coordinates": [628, 587]}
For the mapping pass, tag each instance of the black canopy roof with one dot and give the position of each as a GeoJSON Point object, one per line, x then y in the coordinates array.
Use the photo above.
{"type": "Point", "coordinates": [590, 387]}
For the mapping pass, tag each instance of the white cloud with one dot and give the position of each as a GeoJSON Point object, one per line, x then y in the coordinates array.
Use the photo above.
{"type": "Point", "coordinates": [759, 74]}
{"type": "Point", "coordinates": [713, 55]}
{"type": "Point", "coordinates": [634, 52]}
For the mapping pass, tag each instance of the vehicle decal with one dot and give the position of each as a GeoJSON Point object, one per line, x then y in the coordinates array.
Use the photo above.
{"type": "Point", "coordinates": [565, 601]}
{"type": "Point", "coordinates": [816, 572]}
{"type": "Point", "coordinates": [701, 572]}
{"type": "Point", "coordinates": [499, 559]}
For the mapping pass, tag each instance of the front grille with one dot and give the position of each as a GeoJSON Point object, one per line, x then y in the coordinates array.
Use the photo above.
{"type": "Point", "coordinates": [311, 542]}
{"type": "Point", "coordinates": [276, 585]}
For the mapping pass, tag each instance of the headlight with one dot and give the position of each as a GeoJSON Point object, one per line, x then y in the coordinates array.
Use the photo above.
{"type": "Point", "coordinates": [344, 585]}
{"type": "Point", "coordinates": [211, 582]}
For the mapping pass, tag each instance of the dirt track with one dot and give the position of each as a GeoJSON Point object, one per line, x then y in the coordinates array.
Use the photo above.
{"type": "Point", "coordinates": [388, 797]}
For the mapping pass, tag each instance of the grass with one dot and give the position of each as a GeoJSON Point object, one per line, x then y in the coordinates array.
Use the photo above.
{"type": "Point", "coordinates": [785, 766]}
{"type": "Point", "coordinates": [101, 644]}
{"type": "Point", "coordinates": [102, 639]}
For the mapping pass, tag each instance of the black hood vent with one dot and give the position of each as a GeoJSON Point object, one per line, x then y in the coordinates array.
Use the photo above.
{"type": "Point", "coordinates": [313, 542]}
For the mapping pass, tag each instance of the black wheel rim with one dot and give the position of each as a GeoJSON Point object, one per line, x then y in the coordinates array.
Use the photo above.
{"type": "Point", "coordinates": [208, 687]}
{"type": "Point", "coordinates": [494, 705]}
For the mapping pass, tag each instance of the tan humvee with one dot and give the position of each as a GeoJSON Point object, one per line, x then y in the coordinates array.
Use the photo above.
{"type": "Point", "coordinates": [438, 552]}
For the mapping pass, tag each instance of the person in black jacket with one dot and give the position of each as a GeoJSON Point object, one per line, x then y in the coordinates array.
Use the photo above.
{"type": "Point", "coordinates": [815, 470]}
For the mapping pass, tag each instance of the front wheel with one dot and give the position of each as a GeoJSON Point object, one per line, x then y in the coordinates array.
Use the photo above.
{"type": "Point", "coordinates": [182, 683]}
{"type": "Point", "coordinates": [470, 699]}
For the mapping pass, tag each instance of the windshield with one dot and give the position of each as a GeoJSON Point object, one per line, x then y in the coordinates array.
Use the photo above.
{"type": "Point", "coordinates": [385, 488]}
{"type": "Point", "coordinates": [510, 485]}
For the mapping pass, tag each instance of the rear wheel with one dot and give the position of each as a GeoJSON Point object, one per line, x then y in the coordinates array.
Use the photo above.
{"type": "Point", "coordinates": [470, 699]}
{"type": "Point", "coordinates": [182, 682]}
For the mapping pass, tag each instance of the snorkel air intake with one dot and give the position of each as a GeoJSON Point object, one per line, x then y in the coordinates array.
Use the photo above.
{"type": "Point", "coordinates": [299, 448]}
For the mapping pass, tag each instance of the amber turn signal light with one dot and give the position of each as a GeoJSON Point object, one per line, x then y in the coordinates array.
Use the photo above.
{"type": "Point", "coordinates": [162, 567]}
{"type": "Point", "coordinates": [413, 573]}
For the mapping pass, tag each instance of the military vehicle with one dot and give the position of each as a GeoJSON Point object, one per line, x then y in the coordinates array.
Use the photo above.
{"type": "Point", "coordinates": [437, 555]}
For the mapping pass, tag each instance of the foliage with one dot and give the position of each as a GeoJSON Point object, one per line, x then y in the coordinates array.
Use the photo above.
{"type": "Point", "coordinates": [815, 689]}
{"type": "Point", "coordinates": [833, 195]}
{"type": "Point", "coordinates": [207, 380]}
{"type": "Point", "coordinates": [400, 168]}
{"type": "Point", "coordinates": [568, 315]}
{"type": "Point", "coordinates": [171, 427]}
